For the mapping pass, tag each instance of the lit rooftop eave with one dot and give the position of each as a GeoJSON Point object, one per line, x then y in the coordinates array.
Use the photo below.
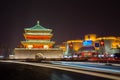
{"type": "Point", "coordinates": [38, 31]}
{"type": "Point", "coordinates": [106, 38]}
{"type": "Point", "coordinates": [27, 29]}
{"type": "Point", "coordinates": [69, 41]}
{"type": "Point", "coordinates": [39, 34]}
{"type": "Point", "coordinates": [31, 42]}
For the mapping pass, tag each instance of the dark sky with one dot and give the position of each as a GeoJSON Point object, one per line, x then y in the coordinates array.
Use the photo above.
{"type": "Point", "coordinates": [68, 19]}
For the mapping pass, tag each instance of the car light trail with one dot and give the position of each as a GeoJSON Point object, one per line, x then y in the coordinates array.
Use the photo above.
{"type": "Point", "coordinates": [90, 68]}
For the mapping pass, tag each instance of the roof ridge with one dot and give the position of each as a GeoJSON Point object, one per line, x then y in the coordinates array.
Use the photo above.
{"type": "Point", "coordinates": [38, 27]}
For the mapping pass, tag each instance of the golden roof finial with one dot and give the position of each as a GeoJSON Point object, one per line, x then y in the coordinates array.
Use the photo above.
{"type": "Point", "coordinates": [38, 22]}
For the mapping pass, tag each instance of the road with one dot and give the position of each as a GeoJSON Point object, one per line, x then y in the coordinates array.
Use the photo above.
{"type": "Point", "coordinates": [43, 71]}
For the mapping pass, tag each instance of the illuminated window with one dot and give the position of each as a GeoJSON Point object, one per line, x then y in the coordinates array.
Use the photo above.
{"type": "Point", "coordinates": [96, 44]}
{"type": "Point", "coordinates": [46, 46]}
{"type": "Point", "coordinates": [30, 46]}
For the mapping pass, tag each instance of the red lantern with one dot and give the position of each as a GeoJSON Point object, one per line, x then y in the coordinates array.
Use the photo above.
{"type": "Point", "coordinates": [102, 43]}
{"type": "Point", "coordinates": [71, 45]}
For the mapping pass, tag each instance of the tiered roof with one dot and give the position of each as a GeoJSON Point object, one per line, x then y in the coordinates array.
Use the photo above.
{"type": "Point", "coordinates": [37, 27]}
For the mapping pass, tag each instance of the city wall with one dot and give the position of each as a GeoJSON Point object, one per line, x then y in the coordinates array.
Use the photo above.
{"type": "Point", "coordinates": [25, 53]}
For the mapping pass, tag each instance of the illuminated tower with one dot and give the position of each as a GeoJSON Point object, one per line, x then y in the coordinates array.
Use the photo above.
{"type": "Point", "coordinates": [38, 37]}
{"type": "Point", "coordinates": [38, 45]}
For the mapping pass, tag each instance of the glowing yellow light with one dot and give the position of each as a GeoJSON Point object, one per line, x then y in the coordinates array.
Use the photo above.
{"type": "Point", "coordinates": [30, 46]}
{"type": "Point", "coordinates": [45, 46]}
{"type": "Point", "coordinates": [38, 37]}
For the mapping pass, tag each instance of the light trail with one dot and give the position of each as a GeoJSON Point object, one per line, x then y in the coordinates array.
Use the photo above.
{"type": "Point", "coordinates": [67, 68]}
{"type": "Point", "coordinates": [89, 68]}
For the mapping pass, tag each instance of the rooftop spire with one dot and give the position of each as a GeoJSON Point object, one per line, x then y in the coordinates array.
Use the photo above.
{"type": "Point", "coordinates": [38, 23]}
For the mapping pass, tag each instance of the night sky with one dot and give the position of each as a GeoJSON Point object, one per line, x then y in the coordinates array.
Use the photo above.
{"type": "Point", "coordinates": [68, 19]}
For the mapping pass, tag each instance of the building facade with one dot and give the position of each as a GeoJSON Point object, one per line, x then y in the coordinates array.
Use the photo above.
{"type": "Point", "coordinates": [93, 45]}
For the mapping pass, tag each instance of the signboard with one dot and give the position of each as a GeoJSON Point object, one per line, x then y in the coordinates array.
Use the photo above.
{"type": "Point", "coordinates": [87, 43]}
{"type": "Point", "coordinates": [97, 44]}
